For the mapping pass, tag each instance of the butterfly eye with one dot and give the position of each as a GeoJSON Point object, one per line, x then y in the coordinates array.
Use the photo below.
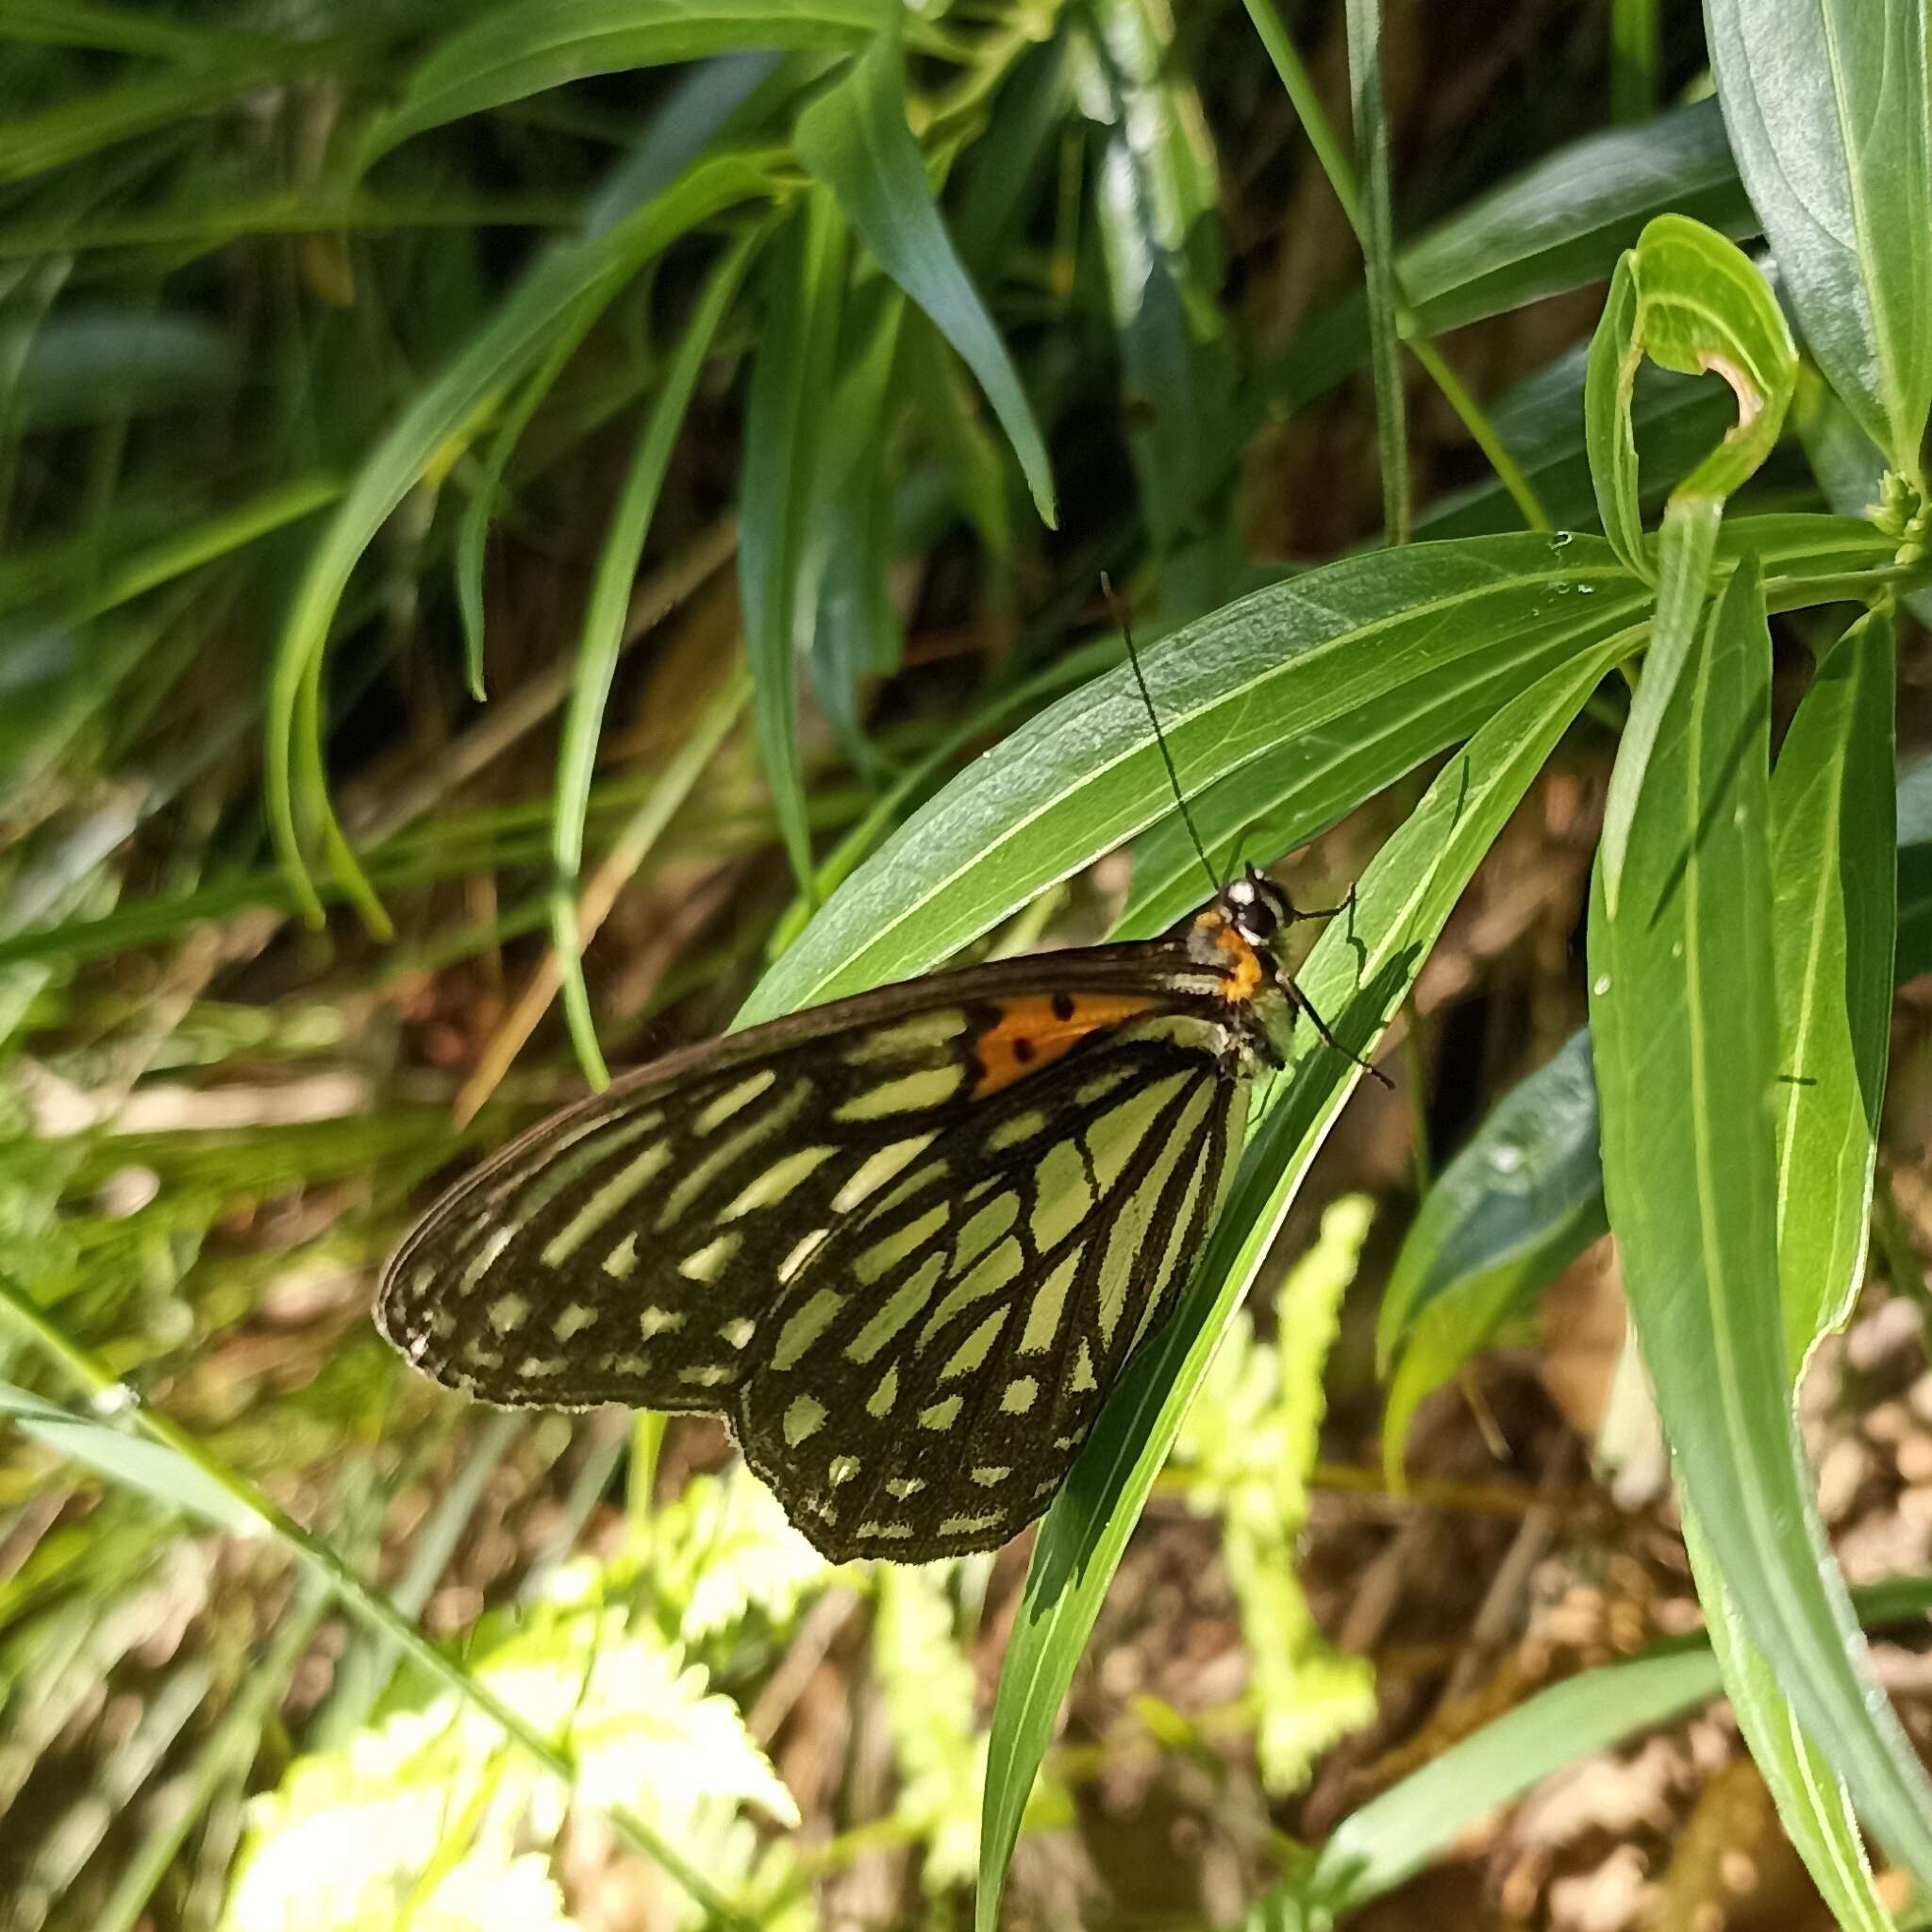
{"type": "Point", "coordinates": [1257, 921]}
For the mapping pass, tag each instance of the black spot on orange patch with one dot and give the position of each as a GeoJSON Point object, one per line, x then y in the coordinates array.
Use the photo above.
{"type": "Point", "coordinates": [1035, 1032]}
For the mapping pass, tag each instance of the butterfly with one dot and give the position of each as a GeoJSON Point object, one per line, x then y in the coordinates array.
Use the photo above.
{"type": "Point", "coordinates": [903, 1243]}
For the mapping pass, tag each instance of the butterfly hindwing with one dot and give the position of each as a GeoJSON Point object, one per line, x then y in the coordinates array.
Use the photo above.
{"type": "Point", "coordinates": [944, 1356]}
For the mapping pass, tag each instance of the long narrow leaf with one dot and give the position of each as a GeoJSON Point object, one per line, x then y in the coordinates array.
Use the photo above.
{"type": "Point", "coordinates": [1826, 102]}
{"type": "Point", "coordinates": [1259, 675]}
{"type": "Point", "coordinates": [856, 140]}
{"type": "Point", "coordinates": [1685, 1023]}
{"type": "Point", "coordinates": [787, 418]}
{"type": "Point", "coordinates": [601, 639]}
{"type": "Point", "coordinates": [1358, 974]}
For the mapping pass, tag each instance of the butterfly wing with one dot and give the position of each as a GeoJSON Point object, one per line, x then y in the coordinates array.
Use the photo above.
{"type": "Point", "coordinates": [943, 1352]}
{"type": "Point", "coordinates": [779, 1219]}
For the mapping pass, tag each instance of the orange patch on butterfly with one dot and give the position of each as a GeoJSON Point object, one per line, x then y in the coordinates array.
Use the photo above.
{"type": "Point", "coordinates": [1034, 1032]}
{"type": "Point", "coordinates": [1245, 967]}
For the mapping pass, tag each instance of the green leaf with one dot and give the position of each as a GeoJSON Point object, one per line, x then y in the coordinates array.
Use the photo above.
{"type": "Point", "coordinates": [1269, 672]}
{"type": "Point", "coordinates": [1827, 105]}
{"type": "Point", "coordinates": [855, 139]}
{"type": "Point", "coordinates": [581, 270]}
{"type": "Point", "coordinates": [1358, 976]}
{"type": "Point", "coordinates": [1394, 1835]}
{"type": "Point", "coordinates": [1675, 419]}
{"type": "Point", "coordinates": [507, 53]}
{"type": "Point", "coordinates": [1616, 353]}
{"type": "Point", "coordinates": [1691, 301]}
{"type": "Point", "coordinates": [787, 419]}
{"type": "Point", "coordinates": [1833, 841]}
{"type": "Point", "coordinates": [152, 1468]}
{"type": "Point", "coordinates": [1272, 670]}
{"type": "Point", "coordinates": [1684, 1014]}
{"type": "Point", "coordinates": [1559, 224]}
{"type": "Point", "coordinates": [1812, 1802]}
{"type": "Point", "coordinates": [1518, 1203]}
{"type": "Point", "coordinates": [1376, 232]}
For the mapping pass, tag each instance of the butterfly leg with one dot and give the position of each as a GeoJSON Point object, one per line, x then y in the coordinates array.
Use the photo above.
{"type": "Point", "coordinates": [1303, 1004]}
{"type": "Point", "coordinates": [1297, 912]}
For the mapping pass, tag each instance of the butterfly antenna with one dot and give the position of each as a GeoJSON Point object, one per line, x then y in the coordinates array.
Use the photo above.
{"type": "Point", "coordinates": [1119, 617]}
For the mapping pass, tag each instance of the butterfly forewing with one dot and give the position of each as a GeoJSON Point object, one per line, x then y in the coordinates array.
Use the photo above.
{"type": "Point", "coordinates": [904, 1245]}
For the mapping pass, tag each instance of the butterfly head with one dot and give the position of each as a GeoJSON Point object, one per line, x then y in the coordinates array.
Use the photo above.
{"type": "Point", "coordinates": [1254, 907]}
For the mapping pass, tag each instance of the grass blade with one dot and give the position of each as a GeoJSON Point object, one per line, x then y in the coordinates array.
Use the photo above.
{"type": "Point", "coordinates": [510, 51]}
{"type": "Point", "coordinates": [601, 638]}
{"type": "Point", "coordinates": [787, 419]}
{"type": "Point", "coordinates": [856, 140]}
{"type": "Point", "coordinates": [581, 270]}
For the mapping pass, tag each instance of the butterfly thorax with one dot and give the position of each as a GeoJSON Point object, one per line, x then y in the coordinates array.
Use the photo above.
{"type": "Point", "coordinates": [1236, 936]}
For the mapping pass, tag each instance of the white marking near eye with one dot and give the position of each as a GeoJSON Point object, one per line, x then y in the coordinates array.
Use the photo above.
{"type": "Point", "coordinates": [886, 1393]}
{"type": "Point", "coordinates": [805, 1325]}
{"type": "Point", "coordinates": [805, 1416]}
{"type": "Point", "coordinates": [776, 1181]}
{"type": "Point", "coordinates": [635, 1174]}
{"type": "Point", "coordinates": [908, 1299]}
{"type": "Point", "coordinates": [841, 1469]}
{"type": "Point", "coordinates": [621, 1261]}
{"type": "Point", "coordinates": [977, 1346]}
{"type": "Point", "coordinates": [734, 1099]}
{"type": "Point", "coordinates": [876, 1169]}
{"type": "Point", "coordinates": [660, 1322]}
{"type": "Point", "coordinates": [507, 1311]}
{"type": "Point", "coordinates": [573, 1320]}
{"type": "Point", "coordinates": [709, 1260]}
{"type": "Point", "coordinates": [941, 1415]}
{"type": "Point", "coordinates": [801, 1249]}
{"type": "Point", "coordinates": [1050, 1305]}
{"type": "Point", "coordinates": [739, 1330]}
{"type": "Point", "coordinates": [904, 1037]}
{"type": "Point", "coordinates": [927, 1087]}
{"type": "Point", "coordinates": [1019, 1395]}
